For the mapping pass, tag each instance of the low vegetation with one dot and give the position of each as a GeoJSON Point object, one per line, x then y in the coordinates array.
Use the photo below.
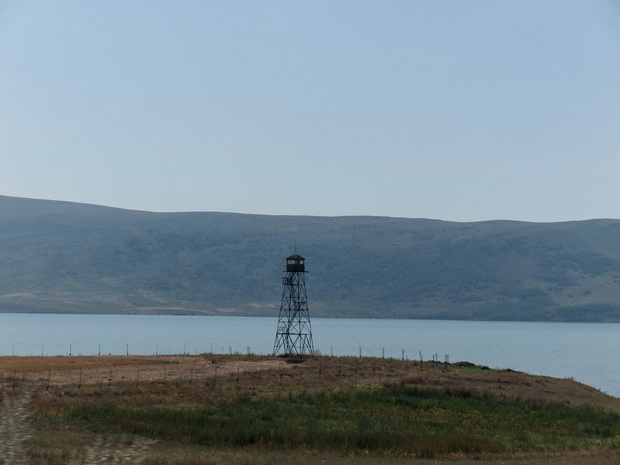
{"type": "Point", "coordinates": [393, 420]}
{"type": "Point", "coordinates": [234, 409]}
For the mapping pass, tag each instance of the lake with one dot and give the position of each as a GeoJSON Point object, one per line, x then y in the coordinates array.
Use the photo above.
{"type": "Point", "coordinates": [587, 352]}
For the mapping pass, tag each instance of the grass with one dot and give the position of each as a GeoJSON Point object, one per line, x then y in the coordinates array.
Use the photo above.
{"type": "Point", "coordinates": [338, 410]}
{"type": "Point", "coordinates": [397, 419]}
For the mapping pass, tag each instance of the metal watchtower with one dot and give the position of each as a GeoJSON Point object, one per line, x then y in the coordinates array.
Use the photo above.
{"type": "Point", "coordinates": [294, 335]}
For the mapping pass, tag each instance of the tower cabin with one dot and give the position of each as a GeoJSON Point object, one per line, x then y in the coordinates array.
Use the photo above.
{"type": "Point", "coordinates": [295, 264]}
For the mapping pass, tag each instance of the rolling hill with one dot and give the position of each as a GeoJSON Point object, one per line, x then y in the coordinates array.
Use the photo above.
{"type": "Point", "coordinates": [68, 257]}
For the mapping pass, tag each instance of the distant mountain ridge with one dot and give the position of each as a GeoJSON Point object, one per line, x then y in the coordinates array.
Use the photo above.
{"type": "Point", "coordinates": [68, 257]}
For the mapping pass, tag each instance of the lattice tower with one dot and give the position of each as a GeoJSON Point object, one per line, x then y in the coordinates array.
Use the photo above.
{"type": "Point", "coordinates": [294, 334]}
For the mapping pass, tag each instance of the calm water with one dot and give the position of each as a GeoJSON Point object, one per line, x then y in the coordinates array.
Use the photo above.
{"type": "Point", "coordinates": [587, 352]}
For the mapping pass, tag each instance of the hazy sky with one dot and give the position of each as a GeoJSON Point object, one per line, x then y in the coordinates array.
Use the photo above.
{"type": "Point", "coordinates": [456, 110]}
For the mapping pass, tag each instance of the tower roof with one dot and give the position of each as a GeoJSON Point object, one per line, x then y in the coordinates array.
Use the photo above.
{"type": "Point", "coordinates": [295, 256]}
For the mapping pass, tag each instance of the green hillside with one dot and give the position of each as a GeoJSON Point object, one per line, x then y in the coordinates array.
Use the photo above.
{"type": "Point", "coordinates": [67, 257]}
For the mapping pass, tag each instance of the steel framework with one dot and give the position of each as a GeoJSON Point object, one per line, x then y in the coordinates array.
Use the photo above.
{"type": "Point", "coordinates": [294, 334]}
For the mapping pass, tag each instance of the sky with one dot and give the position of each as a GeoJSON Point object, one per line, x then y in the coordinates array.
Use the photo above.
{"type": "Point", "coordinates": [455, 110]}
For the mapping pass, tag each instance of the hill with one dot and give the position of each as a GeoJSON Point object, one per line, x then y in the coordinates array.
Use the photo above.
{"type": "Point", "coordinates": [67, 257]}
{"type": "Point", "coordinates": [223, 409]}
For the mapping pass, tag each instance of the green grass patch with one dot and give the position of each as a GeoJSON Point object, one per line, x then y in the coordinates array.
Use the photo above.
{"type": "Point", "coordinates": [470, 366]}
{"type": "Point", "coordinates": [396, 420]}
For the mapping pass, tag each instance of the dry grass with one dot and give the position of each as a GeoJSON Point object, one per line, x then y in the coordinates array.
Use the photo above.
{"type": "Point", "coordinates": [93, 369]}
{"type": "Point", "coordinates": [314, 372]}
